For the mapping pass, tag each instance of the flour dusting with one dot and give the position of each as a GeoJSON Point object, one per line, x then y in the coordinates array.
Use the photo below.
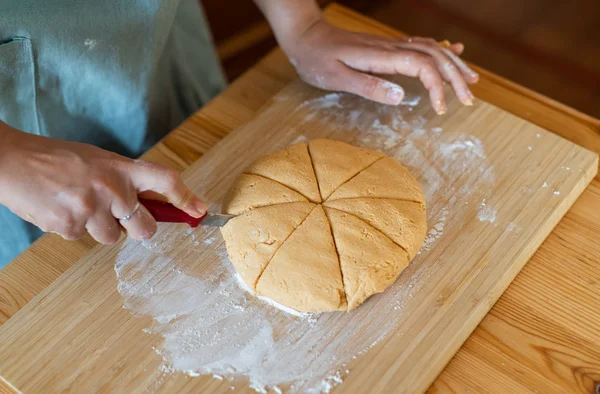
{"type": "Point", "coordinates": [411, 101]}
{"type": "Point", "coordinates": [210, 324]}
{"type": "Point", "coordinates": [435, 231]}
{"type": "Point", "coordinates": [513, 228]}
{"type": "Point", "coordinates": [89, 43]}
{"type": "Point", "coordinates": [269, 301]}
{"type": "Point", "coordinates": [486, 213]}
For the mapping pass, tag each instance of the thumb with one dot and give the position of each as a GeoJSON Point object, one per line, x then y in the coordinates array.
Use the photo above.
{"type": "Point", "coordinates": [368, 86]}
{"type": "Point", "coordinates": [151, 177]}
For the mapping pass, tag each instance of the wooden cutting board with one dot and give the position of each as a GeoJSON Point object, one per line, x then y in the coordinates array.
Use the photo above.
{"type": "Point", "coordinates": [496, 186]}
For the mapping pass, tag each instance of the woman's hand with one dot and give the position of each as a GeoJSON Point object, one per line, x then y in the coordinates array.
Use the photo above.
{"type": "Point", "coordinates": [336, 59]}
{"type": "Point", "coordinates": [70, 188]}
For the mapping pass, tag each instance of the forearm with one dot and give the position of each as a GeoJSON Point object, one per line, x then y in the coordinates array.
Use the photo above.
{"type": "Point", "coordinates": [7, 137]}
{"type": "Point", "coordinates": [5, 133]}
{"type": "Point", "coordinates": [7, 140]}
{"type": "Point", "coordinates": [289, 18]}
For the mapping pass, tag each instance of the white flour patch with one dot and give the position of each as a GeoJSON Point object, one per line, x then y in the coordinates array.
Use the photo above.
{"type": "Point", "coordinates": [437, 159]}
{"type": "Point", "coordinates": [328, 101]}
{"type": "Point", "coordinates": [512, 227]}
{"type": "Point", "coordinates": [300, 138]}
{"type": "Point", "coordinates": [486, 213]}
{"type": "Point", "coordinates": [411, 101]}
{"type": "Point", "coordinates": [209, 325]}
{"type": "Point", "coordinates": [284, 308]}
{"type": "Point", "coordinates": [89, 43]}
{"type": "Point", "coordinates": [435, 231]}
{"type": "Point", "coordinates": [269, 301]}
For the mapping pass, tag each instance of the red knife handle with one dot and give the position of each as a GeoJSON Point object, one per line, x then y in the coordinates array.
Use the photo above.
{"type": "Point", "coordinates": [168, 213]}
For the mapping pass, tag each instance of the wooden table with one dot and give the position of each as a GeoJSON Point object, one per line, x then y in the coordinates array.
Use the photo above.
{"type": "Point", "coordinates": [543, 333]}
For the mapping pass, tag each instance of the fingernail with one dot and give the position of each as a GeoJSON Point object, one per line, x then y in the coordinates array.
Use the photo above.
{"type": "Point", "coordinates": [200, 208]}
{"type": "Point", "coordinates": [395, 93]}
{"type": "Point", "coordinates": [146, 236]}
{"type": "Point", "coordinates": [440, 108]}
{"type": "Point", "coordinates": [472, 97]}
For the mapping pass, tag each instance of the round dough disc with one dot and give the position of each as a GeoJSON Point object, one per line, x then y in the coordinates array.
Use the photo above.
{"type": "Point", "coordinates": [323, 226]}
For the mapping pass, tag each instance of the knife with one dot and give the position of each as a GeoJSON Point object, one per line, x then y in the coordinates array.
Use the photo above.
{"type": "Point", "coordinates": [168, 213]}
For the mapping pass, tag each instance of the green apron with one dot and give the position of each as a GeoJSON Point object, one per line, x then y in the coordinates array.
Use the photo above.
{"type": "Point", "coordinates": [118, 74]}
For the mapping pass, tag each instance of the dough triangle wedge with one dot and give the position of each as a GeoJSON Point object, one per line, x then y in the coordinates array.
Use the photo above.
{"type": "Point", "coordinates": [370, 261]}
{"type": "Point", "coordinates": [254, 191]}
{"type": "Point", "coordinates": [404, 222]}
{"type": "Point", "coordinates": [253, 237]}
{"type": "Point", "coordinates": [384, 179]}
{"type": "Point", "coordinates": [305, 274]}
{"type": "Point", "coordinates": [291, 167]}
{"type": "Point", "coordinates": [335, 162]}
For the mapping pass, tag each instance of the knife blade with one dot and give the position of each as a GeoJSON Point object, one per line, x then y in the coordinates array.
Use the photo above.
{"type": "Point", "coordinates": [168, 213]}
{"type": "Point", "coordinates": [215, 219]}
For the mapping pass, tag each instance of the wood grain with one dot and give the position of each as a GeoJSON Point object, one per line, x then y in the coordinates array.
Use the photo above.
{"type": "Point", "coordinates": [79, 332]}
{"type": "Point", "coordinates": [573, 241]}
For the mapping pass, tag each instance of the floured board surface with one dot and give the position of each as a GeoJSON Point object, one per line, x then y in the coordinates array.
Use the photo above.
{"type": "Point", "coordinates": [169, 315]}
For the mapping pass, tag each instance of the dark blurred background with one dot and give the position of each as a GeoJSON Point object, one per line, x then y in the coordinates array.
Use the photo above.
{"type": "Point", "coordinates": [550, 46]}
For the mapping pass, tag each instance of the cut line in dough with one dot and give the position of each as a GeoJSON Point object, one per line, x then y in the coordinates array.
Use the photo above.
{"type": "Point", "coordinates": [255, 236]}
{"type": "Point", "coordinates": [254, 191]}
{"type": "Point", "coordinates": [335, 163]}
{"type": "Point", "coordinates": [403, 222]}
{"type": "Point", "coordinates": [291, 167]}
{"type": "Point", "coordinates": [309, 280]}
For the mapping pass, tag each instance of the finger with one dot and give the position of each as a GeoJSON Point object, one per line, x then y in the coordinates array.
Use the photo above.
{"type": "Point", "coordinates": [445, 66]}
{"type": "Point", "coordinates": [147, 176]}
{"type": "Point", "coordinates": [421, 66]}
{"type": "Point", "coordinates": [447, 48]}
{"type": "Point", "coordinates": [405, 62]}
{"type": "Point", "coordinates": [72, 234]}
{"type": "Point", "coordinates": [132, 215]}
{"type": "Point", "coordinates": [67, 227]}
{"type": "Point", "coordinates": [104, 228]}
{"type": "Point", "coordinates": [470, 75]}
{"type": "Point", "coordinates": [457, 48]}
{"type": "Point", "coordinates": [139, 224]}
{"type": "Point", "coordinates": [150, 195]}
{"type": "Point", "coordinates": [367, 86]}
